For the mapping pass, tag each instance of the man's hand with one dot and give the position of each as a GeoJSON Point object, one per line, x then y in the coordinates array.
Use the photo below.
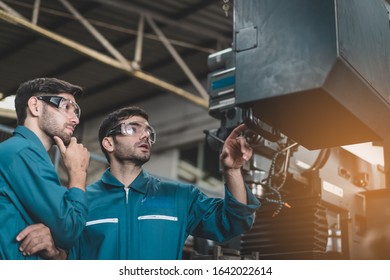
{"type": "Point", "coordinates": [37, 239]}
{"type": "Point", "coordinates": [236, 151]}
{"type": "Point", "coordinates": [76, 160]}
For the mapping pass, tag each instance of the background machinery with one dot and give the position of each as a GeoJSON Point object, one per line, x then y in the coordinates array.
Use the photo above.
{"type": "Point", "coordinates": [309, 77]}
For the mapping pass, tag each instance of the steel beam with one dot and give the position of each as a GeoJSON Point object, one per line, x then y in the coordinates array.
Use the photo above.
{"type": "Point", "coordinates": [6, 16]}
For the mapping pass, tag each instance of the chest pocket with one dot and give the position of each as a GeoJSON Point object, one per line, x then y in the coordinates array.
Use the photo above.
{"type": "Point", "coordinates": [157, 217]}
{"type": "Point", "coordinates": [158, 229]}
{"type": "Point", "coordinates": [101, 238]}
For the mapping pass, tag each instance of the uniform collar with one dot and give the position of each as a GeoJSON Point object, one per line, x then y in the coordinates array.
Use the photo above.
{"type": "Point", "coordinates": [139, 184]}
{"type": "Point", "coordinates": [29, 134]}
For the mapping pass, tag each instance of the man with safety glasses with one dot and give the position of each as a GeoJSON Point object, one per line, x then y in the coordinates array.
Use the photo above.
{"type": "Point", "coordinates": [38, 215]}
{"type": "Point", "coordinates": [134, 215]}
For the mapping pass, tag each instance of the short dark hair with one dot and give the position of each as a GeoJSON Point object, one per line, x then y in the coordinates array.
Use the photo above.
{"type": "Point", "coordinates": [114, 118]}
{"type": "Point", "coordinates": [41, 86]}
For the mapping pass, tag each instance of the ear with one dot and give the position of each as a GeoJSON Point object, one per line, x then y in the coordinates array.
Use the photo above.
{"type": "Point", "coordinates": [108, 144]}
{"type": "Point", "coordinates": [33, 106]}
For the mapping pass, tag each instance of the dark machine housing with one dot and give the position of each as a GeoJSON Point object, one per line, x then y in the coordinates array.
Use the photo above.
{"type": "Point", "coordinates": [317, 70]}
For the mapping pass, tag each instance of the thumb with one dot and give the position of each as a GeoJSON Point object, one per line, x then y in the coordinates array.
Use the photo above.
{"type": "Point", "coordinates": [60, 144]}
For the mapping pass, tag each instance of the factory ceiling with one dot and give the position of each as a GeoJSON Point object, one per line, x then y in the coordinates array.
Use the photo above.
{"type": "Point", "coordinates": [119, 51]}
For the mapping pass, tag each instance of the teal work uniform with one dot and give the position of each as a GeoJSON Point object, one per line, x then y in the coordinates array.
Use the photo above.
{"type": "Point", "coordinates": [31, 192]}
{"type": "Point", "coordinates": [152, 218]}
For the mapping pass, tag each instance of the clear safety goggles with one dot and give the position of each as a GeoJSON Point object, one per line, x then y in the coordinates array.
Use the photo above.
{"type": "Point", "coordinates": [61, 103]}
{"type": "Point", "coordinates": [134, 129]}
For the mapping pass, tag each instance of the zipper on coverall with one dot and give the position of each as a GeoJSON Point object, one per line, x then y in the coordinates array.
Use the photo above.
{"type": "Point", "coordinates": [127, 219]}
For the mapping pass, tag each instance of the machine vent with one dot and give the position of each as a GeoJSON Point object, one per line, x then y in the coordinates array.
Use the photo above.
{"type": "Point", "coordinates": [299, 232]}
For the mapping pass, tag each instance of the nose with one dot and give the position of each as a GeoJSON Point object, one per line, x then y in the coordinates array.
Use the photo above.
{"type": "Point", "coordinates": [74, 119]}
{"type": "Point", "coordinates": [144, 133]}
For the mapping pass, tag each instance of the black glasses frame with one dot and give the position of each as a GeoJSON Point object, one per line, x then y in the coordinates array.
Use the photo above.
{"type": "Point", "coordinates": [55, 101]}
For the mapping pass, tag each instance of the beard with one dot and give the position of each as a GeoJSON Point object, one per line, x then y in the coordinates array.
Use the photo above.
{"type": "Point", "coordinates": [51, 128]}
{"type": "Point", "coordinates": [130, 154]}
{"type": "Point", "coordinates": [139, 160]}
{"type": "Point", "coordinates": [136, 159]}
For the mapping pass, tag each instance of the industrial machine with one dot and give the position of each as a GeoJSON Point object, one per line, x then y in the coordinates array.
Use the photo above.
{"type": "Point", "coordinates": [309, 77]}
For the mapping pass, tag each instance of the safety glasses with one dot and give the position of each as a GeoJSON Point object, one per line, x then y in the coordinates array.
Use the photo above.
{"type": "Point", "coordinates": [61, 103]}
{"type": "Point", "coordinates": [134, 129]}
